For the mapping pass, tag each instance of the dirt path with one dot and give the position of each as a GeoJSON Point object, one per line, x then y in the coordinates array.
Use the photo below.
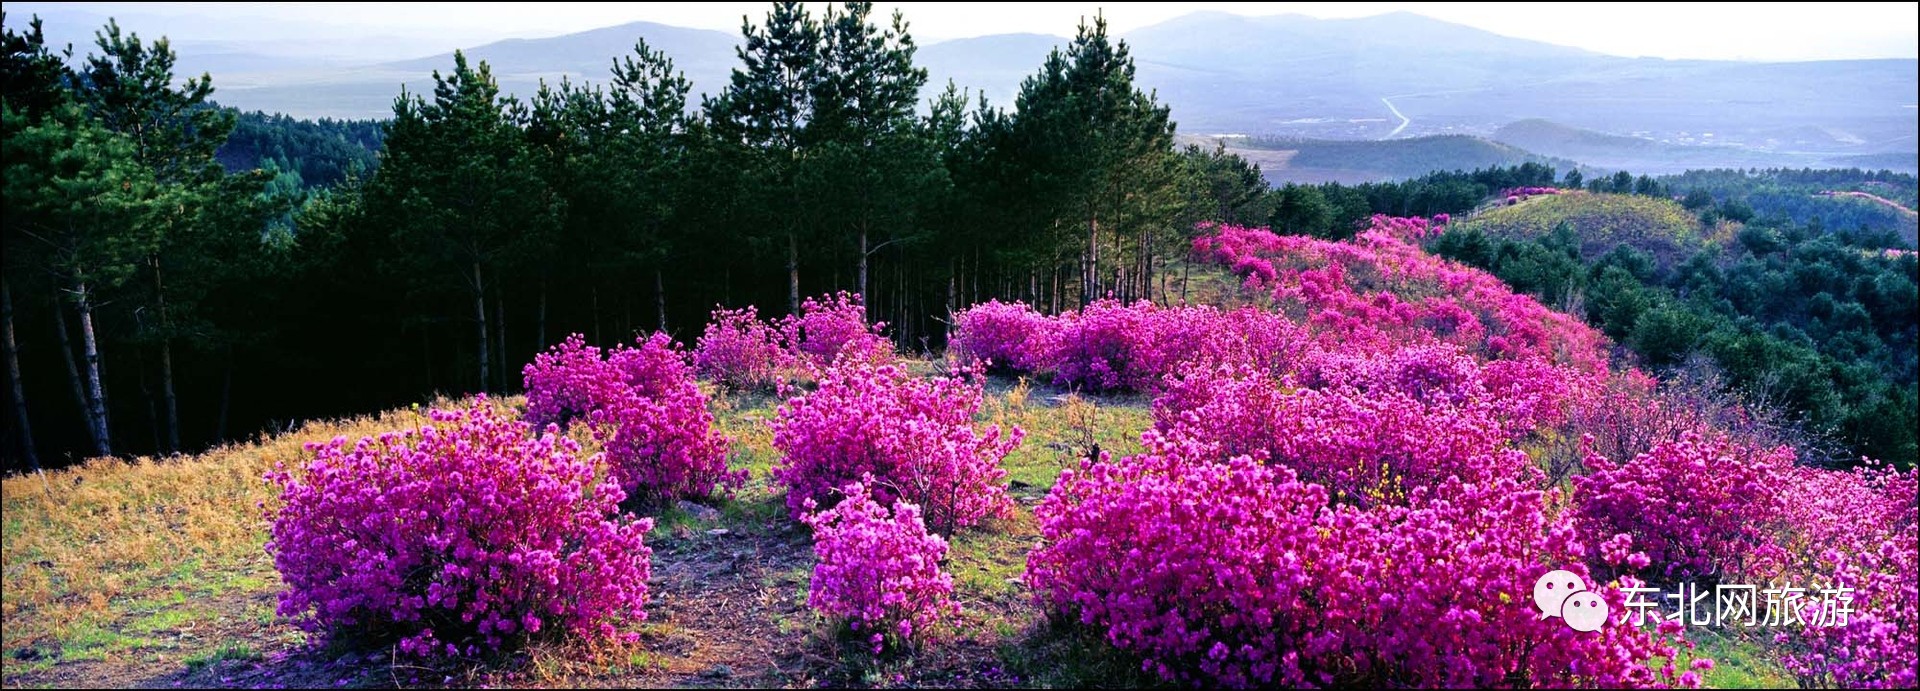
{"type": "Point", "coordinates": [1909, 213]}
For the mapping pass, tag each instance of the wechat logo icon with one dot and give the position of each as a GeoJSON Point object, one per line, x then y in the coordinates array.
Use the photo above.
{"type": "Point", "coordinates": [1562, 594]}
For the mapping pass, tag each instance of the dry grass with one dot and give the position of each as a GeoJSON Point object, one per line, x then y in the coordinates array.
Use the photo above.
{"type": "Point", "coordinates": [153, 573]}
{"type": "Point", "coordinates": [150, 561]}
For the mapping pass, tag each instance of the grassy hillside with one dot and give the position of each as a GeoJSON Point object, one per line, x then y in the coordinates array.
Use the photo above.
{"type": "Point", "coordinates": [1600, 221]}
{"type": "Point", "coordinates": [1354, 161]}
{"type": "Point", "coordinates": [152, 573]}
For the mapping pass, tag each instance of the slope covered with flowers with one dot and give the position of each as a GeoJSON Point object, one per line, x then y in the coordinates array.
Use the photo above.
{"type": "Point", "coordinates": [1357, 479]}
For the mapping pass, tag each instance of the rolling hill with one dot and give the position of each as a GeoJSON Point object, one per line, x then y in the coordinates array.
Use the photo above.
{"type": "Point", "coordinates": [1350, 161]}
{"type": "Point", "coordinates": [1394, 75]}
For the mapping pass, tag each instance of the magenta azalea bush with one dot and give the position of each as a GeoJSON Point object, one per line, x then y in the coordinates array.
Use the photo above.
{"type": "Point", "coordinates": [740, 350]}
{"type": "Point", "coordinates": [462, 537]}
{"type": "Point", "coordinates": [914, 437]}
{"type": "Point", "coordinates": [568, 382]}
{"type": "Point", "coordinates": [1379, 292]}
{"type": "Point", "coordinates": [644, 404]}
{"type": "Point", "coordinates": [1236, 573]}
{"type": "Point", "coordinates": [1857, 529]}
{"type": "Point", "coordinates": [656, 367]}
{"type": "Point", "coordinates": [1366, 447]}
{"type": "Point", "coordinates": [831, 328]}
{"type": "Point", "coordinates": [877, 569]}
{"type": "Point", "coordinates": [1008, 337]}
{"type": "Point", "coordinates": [666, 446]}
{"type": "Point", "coordinates": [1697, 507]}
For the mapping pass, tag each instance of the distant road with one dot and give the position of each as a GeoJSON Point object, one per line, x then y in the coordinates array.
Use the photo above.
{"type": "Point", "coordinates": [1873, 198]}
{"type": "Point", "coordinates": [1404, 121]}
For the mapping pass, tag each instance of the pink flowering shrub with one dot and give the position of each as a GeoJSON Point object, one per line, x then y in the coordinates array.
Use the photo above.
{"type": "Point", "coordinates": [1240, 574]}
{"type": "Point", "coordinates": [827, 329]}
{"type": "Point", "coordinates": [915, 437]}
{"type": "Point", "coordinates": [1379, 292]}
{"type": "Point", "coordinates": [1698, 507]}
{"type": "Point", "coordinates": [1111, 346]}
{"type": "Point", "coordinates": [464, 536]}
{"type": "Point", "coordinates": [1524, 192]}
{"type": "Point", "coordinates": [666, 446]}
{"type": "Point", "coordinates": [1366, 447]}
{"type": "Point", "coordinates": [645, 405]}
{"type": "Point", "coordinates": [1007, 336]}
{"type": "Point", "coordinates": [568, 382]}
{"type": "Point", "coordinates": [654, 368]}
{"type": "Point", "coordinates": [1106, 346]}
{"type": "Point", "coordinates": [877, 569]}
{"type": "Point", "coordinates": [1857, 529]}
{"type": "Point", "coordinates": [740, 350]}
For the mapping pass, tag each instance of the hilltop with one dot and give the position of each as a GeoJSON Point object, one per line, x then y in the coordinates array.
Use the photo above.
{"type": "Point", "coordinates": [1284, 75]}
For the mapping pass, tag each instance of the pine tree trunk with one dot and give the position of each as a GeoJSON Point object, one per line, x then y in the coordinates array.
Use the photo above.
{"type": "Point", "coordinates": [793, 273]}
{"type": "Point", "coordinates": [1186, 270]}
{"type": "Point", "coordinates": [480, 323]}
{"type": "Point", "coordinates": [1090, 281]}
{"type": "Point", "coordinates": [166, 396]}
{"type": "Point", "coordinates": [226, 401]}
{"type": "Point", "coordinates": [863, 260]}
{"type": "Point", "coordinates": [96, 392]}
{"type": "Point", "coordinates": [542, 318]}
{"type": "Point", "coordinates": [426, 350]}
{"type": "Point", "coordinates": [13, 378]}
{"type": "Point", "coordinates": [500, 338]}
{"type": "Point", "coordinates": [66, 355]}
{"type": "Point", "coordinates": [146, 396]}
{"type": "Point", "coordinates": [166, 362]}
{"type": "Point", "coordinates": [660, 296]}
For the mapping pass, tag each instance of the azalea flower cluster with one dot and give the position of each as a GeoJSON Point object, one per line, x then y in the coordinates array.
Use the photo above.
{"type": "Point", "coordinates": [741, 350]}
{"type": "Point", "coordinates": [461, 537]}
{"type": "Point", "coordinates": [1354, 509]}
{"type": "Point", "coordinates": [1004, 336]}
{"type": "Point", "coordinates": [1366, 444]}
{"type": "Point", "coordinates": [567, 382]}
{"type": "Point", "coordinates": [1519, 193]}
{"type": "Point", "coordinates": [1238, 573]}
{"type": "Point", "coordinates": [1857, 529]}
{"type": "Point", "coordinates": [644, 404]}
{"type": "Point", "coordinates": [877, 568]}
{"type": "Point", "coordinates": [906, 438]}
{"type": "Point", "coordinates": [1110, 346]}
{"type": "Point", "coordinates": [1378, 292]}
{"type": "Point", "coordinates": [1698, 507]}
{"type": "Point", "coordinates": [831, 328]}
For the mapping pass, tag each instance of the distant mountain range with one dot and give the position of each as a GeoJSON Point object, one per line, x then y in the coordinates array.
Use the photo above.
{"type": "Point", "coordinates": [1396, 75]}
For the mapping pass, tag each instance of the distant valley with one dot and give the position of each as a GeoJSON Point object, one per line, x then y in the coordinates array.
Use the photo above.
{"type": "Point", "coordinates": [1399, 76]}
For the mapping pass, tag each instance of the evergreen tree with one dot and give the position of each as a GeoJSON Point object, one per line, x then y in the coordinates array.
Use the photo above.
{"type": "Point", "coordinates": [457, 188]}
{"type": "Point", "coordinates": [764, 112]}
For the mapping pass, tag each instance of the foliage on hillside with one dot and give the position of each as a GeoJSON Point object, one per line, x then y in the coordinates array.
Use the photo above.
{"type": "Point", "coordinates": [321, 152]}
{"type": "Point", "coordinates": [1599, 222]}
{"type": "Point", "coordinates": [1825, 200]}
{"type": "Point", "coordinates": [1404, 158]}
{"type": "Point", "coordinates": [1808, 321]}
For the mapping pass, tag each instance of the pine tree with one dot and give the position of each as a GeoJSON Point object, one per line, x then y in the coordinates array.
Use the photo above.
{"type": "Point", "coordinates": [128, 87]}
{"type": "Point", "coordinates": [765, 111]}
{"type": "Point", "coordinates": [458, 188]}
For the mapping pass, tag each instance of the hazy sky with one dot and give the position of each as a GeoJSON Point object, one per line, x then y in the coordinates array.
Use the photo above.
{"type": "Point", "coordinates": [1749, 31]}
